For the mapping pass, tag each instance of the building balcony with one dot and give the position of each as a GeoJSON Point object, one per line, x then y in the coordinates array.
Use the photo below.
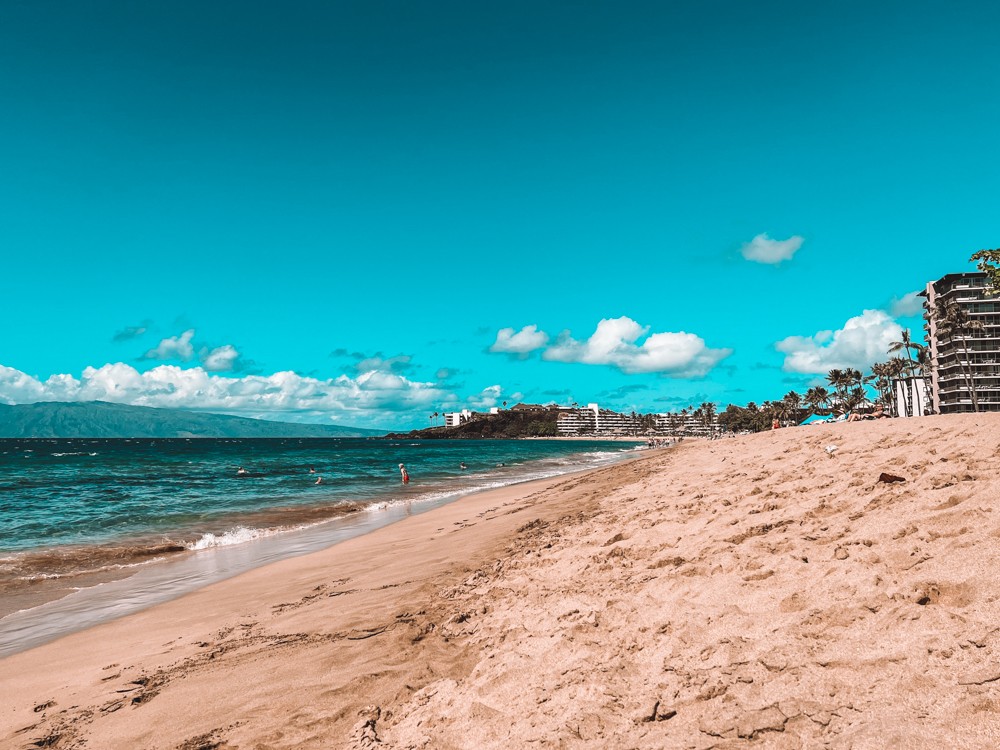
{"type": "Point", "coordinates": [960, 387]}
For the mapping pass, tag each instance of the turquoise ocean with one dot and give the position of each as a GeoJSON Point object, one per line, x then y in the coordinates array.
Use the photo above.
{"type": "Point", "coordinates": [177, 513]}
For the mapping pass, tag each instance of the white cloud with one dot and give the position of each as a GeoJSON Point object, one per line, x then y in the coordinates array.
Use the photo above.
{"type": "Point", "coordinates": [225, 358]}
{"type": "Point", "coordinates": [863, 340]}
{"type": "Point", "coordinates": [911, 304]}
{"type": "Point", "coordinates": [527, 340]}
{"type": "Point", "coordinates": [679, 355]}
{"type": "Point", "coordinates": [487, 398]}
{"type": "Point", "coordinates": [220, 359]}
{"type": "Point", "coordinates": [18, 388]}
{"type": "Point", "coordinates": [399, 363]}
{"type": "Point", "coordinates": [174, 347]}
{"type": "Point", "coordinates": [762, 249]}
{"type": "Point", "coordinates": [370, 398]}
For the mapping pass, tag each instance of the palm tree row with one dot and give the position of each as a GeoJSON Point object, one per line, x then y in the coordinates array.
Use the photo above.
{"type": "Point", "coordinates": [848, 392]}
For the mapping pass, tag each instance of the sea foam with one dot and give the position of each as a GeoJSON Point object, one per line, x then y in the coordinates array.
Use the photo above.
{"type": "Point", "coordinates": [238, 535]}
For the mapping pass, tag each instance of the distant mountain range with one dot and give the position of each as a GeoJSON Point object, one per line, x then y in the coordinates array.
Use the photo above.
{"type": "Point", "coordinates": [99, 419]}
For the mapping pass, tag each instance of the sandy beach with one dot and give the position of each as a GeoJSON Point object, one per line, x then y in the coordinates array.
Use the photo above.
{"type": "Point", "coordinates": [764, 591]}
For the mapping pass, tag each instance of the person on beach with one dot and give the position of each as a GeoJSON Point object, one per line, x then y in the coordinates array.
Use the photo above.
{"type": "Point", "coordinates": [404, 474]}
{"type": "Point", "coordinates": [879, 413]}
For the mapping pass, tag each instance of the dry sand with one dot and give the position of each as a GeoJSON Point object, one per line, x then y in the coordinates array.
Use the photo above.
{"type": "Point", "coordinates": [755, 591]}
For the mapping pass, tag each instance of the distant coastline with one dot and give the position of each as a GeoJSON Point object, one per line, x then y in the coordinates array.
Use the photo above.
{"type": "Point", "coordinates": [100, 419]}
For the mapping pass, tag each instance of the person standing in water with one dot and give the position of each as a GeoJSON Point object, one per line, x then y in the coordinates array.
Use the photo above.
{"type": "Point", "coordinates": [403, 473]}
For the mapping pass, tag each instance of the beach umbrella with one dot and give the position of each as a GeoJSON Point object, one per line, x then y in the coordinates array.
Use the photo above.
{"type": "Point", "coordinates": [816, 419]}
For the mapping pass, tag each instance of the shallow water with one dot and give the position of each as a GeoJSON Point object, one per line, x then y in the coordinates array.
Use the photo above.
{"type": "Point", "coordinates": [167, 516]}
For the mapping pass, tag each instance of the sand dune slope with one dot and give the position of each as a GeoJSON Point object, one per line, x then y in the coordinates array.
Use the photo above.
{"type": "Point", "coordinates": [753, 591]}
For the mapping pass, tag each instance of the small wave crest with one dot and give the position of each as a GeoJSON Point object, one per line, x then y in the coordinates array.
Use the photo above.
{"type": "Point", "coordinates": [238, 535]}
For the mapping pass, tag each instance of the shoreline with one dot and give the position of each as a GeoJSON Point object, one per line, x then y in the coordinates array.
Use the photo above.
{"type": "Point", "coordinates": [763, 590]}
{"type": "Point", "coordinates": [93, 598]}
{"type": "Point", "coordinates": [31, 577]}
{"type": "Point", "coordinates": [404, 560]}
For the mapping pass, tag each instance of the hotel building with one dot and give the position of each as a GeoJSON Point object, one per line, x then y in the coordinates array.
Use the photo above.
{"type": "Point", "coordinates": [957, 359]}
{"type": "Point", "coordinates": [592, 420]}
{"type": "Point", "coordinates": [456, 418]}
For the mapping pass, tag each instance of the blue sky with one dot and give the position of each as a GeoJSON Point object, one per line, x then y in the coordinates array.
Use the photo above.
{"type": "Point", "coordinates": [334, 211]}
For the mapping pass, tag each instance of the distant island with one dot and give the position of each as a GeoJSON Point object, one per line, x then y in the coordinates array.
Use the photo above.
{"type": "Point", "coordinates": [100, 419]}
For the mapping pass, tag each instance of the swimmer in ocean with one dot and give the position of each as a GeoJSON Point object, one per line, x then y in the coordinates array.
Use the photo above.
{"type": "Point", "coordinates": [319, 480]}
{"type": "Point", "coordinates": [241, 472]}
{"type": "Point", "coordinates": [404, 474]}
{"type": "Point", "coordinates": [462, 465]}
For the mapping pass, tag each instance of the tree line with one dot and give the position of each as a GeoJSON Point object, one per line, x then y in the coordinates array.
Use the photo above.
{"type": "Point", "coordinates": [848, 387]}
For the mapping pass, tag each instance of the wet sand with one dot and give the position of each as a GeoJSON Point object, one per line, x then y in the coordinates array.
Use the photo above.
{"type": "Point", "coordinates": [757, 591]}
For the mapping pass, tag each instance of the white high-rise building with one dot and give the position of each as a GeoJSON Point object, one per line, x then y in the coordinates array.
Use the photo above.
{"type": "Point", "coordinates": [960, 361]}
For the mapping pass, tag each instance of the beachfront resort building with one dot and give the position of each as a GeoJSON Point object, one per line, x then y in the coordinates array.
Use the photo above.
{"type": "Point", "coordinates": [686, 423]}
{"type": "Point", "coordinates": [960, 361]}
{"type": "Point", "coordinates": [593, 420]}
{"type": "Point", "coordinates": [455, 418]}
{"type": "Point", "coordinates": [910, 396]}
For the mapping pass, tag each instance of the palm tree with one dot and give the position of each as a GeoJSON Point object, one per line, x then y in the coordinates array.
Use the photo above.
{"type": "Point", "coordinates": [840, 381]}
{"type": "Point", "coordinates": [770, 411]}
{"type": "Point", "coordinates": [676, 422]}
{"type": "Point", "coordinates": [907, 344]}
{"type": "Point", "coordinates": [793, 403]}
{"type": "Point", "coordinates": [855, 398]}
{"type": "Point", "coordinates": [707, 414]}
{"type": "Point", "coordinates": [988, 262]}
{"type": "Point", "coordinates": [882, 381]}
{"type": "Point", "coordinates": [954, 323]}
{"type": "Point", "coordinates": [924, 369]}
{"type": "Point", "coordinates": [816, 398]}
{"type": "Point", "coordinates": [882, 377]}
{"type": "Point", "coordinates": [903, 344]}
{"type": "Point", "coordinates": [923, 360]}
